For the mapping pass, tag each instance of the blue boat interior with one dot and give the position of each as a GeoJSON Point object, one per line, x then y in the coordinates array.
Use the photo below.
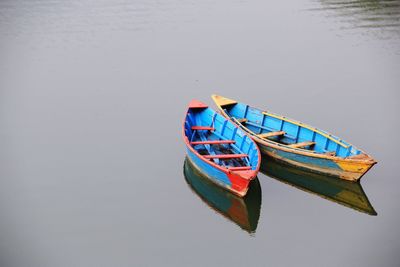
{"type": "Point", "coordinates": [287, 132]}
{"type": "Point", "coordinates": [218, 139]}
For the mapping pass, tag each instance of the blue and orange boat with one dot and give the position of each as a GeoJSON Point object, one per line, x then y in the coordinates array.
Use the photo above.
{"type": "Point", "coordinates": [220, 149]}
{"type": "Point", "coordinates": [297, 143]}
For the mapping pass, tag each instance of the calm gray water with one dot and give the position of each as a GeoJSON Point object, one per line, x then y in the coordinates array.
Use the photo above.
{"type": "Point", "coordinates": [92, 95]}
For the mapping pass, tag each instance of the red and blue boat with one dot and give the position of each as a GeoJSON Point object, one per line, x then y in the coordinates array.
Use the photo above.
{"type": "Point", "coordinates": [219, 149]}
{"type": "Point", "coordinates": [297, 143]}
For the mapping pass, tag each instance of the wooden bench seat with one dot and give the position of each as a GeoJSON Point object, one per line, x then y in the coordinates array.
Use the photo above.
{"type": "Point", "coordinates": [202, 128]}
{"type": "Point", "coordinates": [226, 156]}
{"type": "Point", "coordinates": [213, 142]}
{"type": "Point", "coordinates": [271, 134]}
{"type": "Point", "coordinates": [242, 168]}
{"type": "Point", "coordinates": [302, 144]}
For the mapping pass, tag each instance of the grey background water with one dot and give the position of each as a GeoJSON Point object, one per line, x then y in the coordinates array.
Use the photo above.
{"type": "Point", "coordinates": [92, 94]}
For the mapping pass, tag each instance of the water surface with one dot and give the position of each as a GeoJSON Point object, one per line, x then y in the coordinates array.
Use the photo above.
{"type": "Point", "coordinates": [92, 95]}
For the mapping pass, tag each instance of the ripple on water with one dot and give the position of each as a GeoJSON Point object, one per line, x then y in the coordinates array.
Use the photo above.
{"type": "Point", "coordinates": [378, 17]}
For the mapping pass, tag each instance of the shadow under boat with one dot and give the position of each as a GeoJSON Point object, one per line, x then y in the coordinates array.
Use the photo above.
{"type": "Point", "coordinates": [347, 193]}
{"type": "Point", "coordinates": [244, 212]}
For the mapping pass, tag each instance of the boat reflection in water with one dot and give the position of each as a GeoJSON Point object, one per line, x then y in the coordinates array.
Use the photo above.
{"type": "Point", "coordinates": [343, 192]}
{"type": "Point", "coordinates": [245, 211]}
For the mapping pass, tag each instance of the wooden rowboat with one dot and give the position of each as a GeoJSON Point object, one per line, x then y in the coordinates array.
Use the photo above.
{"type": "Point", "coordinates": [296, 143]}
{"type": "Point", "coordinates": [220, 149]}
{"type": "Point", "coordinates": [245, 212]}
{"type": "Point", "coordinates": [343, 192]}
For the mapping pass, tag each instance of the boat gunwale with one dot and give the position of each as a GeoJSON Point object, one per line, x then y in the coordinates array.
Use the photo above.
{"type": "Point", "coordinates": [213, 164]}
{"type": "Point", "coordinates": [286, 148]}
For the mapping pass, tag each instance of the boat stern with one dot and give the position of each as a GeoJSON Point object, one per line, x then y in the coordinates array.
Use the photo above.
{"type": "Point", "coordinates": [355, 167]}
{"type": "Point", "coordinates": [240, 181]}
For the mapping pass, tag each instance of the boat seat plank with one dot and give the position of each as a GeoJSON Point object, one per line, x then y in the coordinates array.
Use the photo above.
{"type": "Point", "coordinates": [209, 148]}
{"type": "Point", "coordinates": [226, 156]}
{"type": "Point", "coordinates": [271, 134]}
{"type": "Point", "coordinates": [213, 142]}
{"type": "Point", "coordinates": [202, 128]}
{"type": "Point", "coordinates": [302, 144]}
{"type": "Point", "coordinates": [330, 153]}
{"type": "Point", "coordinates": [242, 168]}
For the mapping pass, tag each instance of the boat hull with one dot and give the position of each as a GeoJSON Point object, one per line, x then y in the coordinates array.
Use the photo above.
{"type": "Point", "coordinates": [226, 179]}
{"type": "Point", "coordinates": [347, 169]}
{"type": "Point", "coordinates": [219, 149]}
{"type": "Point", "coordinates": [287, 140]}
